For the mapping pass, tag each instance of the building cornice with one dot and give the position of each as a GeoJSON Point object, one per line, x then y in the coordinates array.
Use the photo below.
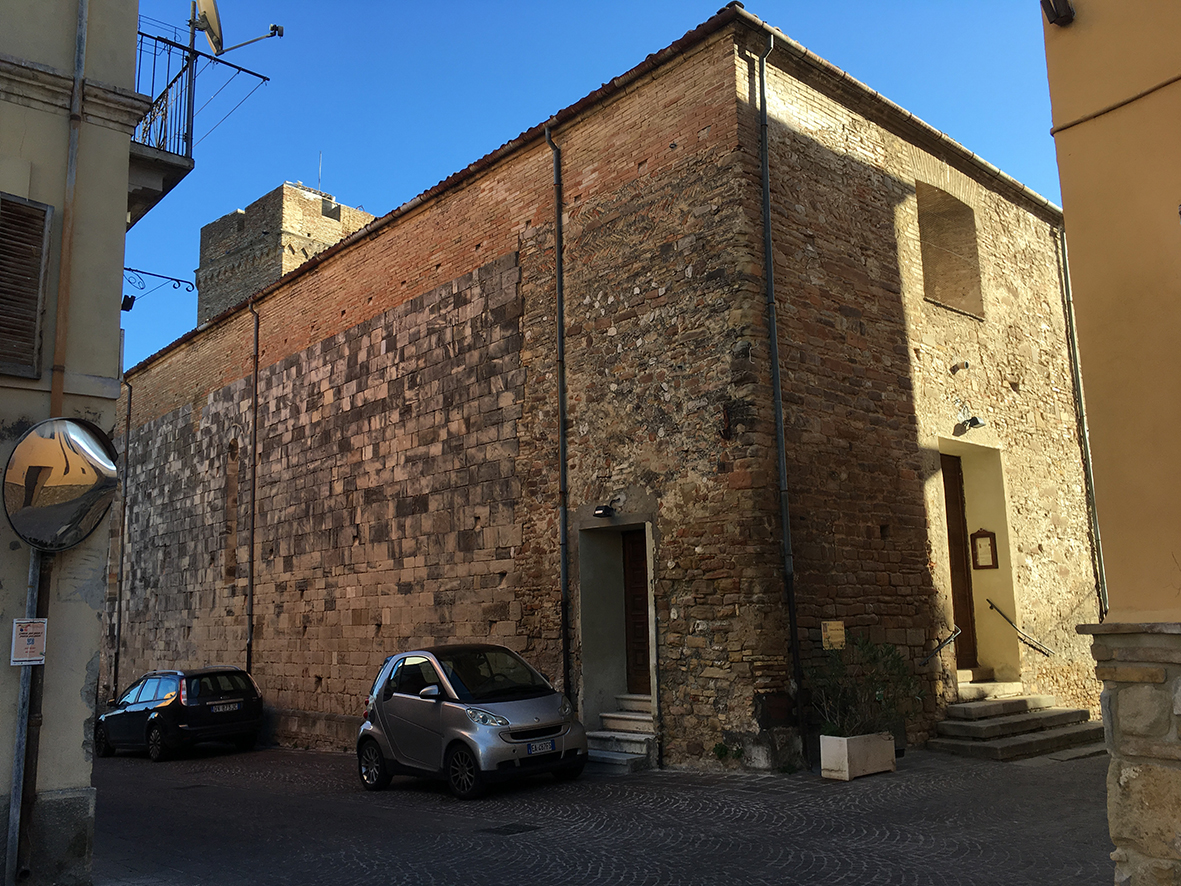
{"type": "Point", "coordinates": [43, 88]}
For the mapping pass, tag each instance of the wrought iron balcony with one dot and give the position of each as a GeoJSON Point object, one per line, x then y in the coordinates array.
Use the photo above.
{"type": "Point", "coordinates": [162, 146]}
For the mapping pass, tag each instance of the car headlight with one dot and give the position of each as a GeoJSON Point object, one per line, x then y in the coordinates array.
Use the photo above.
{"type": "Point", "coordinates": [565, 709]}
{"type": "Point", "coordinates": [483, 718]}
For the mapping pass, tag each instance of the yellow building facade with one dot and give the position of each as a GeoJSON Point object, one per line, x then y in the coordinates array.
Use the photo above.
{"type": "Point", "coordinates": [1115, 82]}
{"type": "Point", "coordinates": [68, 109]}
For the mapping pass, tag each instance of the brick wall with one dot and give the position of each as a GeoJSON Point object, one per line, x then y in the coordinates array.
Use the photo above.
{"type": "Point", "coordinates": [408, 476]}
{"type": "Point", "coordinates": [870, 399]}
{"type": "Point", "coordinates": [386, 501]}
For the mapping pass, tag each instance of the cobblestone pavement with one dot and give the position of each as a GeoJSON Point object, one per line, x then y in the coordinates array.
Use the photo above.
{"type": "Point", "coordinates": [297, 817]}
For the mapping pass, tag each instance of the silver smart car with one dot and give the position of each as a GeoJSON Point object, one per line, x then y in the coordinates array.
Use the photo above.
{"type": "Point", "coordinates": [471, 714]}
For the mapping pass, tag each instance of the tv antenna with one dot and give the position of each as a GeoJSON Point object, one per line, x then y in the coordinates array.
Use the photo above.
{"type": "Point", "coordinates": [204, 16]}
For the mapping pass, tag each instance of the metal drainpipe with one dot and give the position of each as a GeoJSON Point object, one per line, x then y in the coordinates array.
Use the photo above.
{"type": "Point", "coordinates": [22, 732]}
{"type": "Point", "coordinates": [253, 509]}
{"type": "Point", "coordinates": [563, 491]}
{"type": "Point", "coordinates": [1084, 433]}
{"type": "Point", "coordinates": [122, 541]}
{"type": "Point", "coordinates": [26, 751]}
{"type": "Point", "coordinates": [62, 321]}
{"type": "Point", "coordinates": [777, 392]}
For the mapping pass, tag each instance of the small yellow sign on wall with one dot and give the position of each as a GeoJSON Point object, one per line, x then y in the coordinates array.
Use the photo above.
{"type": "Point", "coordinates": [832, 634]}
{"type": "Point", "coordinates": [28, 641]}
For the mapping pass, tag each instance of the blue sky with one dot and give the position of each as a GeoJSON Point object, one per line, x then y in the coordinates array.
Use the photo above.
{"type": "Point", "coordinates": [397, 96]}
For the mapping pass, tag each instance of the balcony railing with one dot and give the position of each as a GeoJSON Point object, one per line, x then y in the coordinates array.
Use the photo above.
{"type": "Point", "coordinates": [168, 71]}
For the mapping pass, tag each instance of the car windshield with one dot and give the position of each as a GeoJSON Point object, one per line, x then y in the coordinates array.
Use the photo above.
{"type": "Point", "coordinates": [491, 675]}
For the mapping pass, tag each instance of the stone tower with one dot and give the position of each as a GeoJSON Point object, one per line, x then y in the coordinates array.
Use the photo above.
{"type": "Point", "coordinates": [247, 250]}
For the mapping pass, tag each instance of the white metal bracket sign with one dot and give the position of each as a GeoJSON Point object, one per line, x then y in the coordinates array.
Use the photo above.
{"type": "Point", "coordinates": [28, 641]}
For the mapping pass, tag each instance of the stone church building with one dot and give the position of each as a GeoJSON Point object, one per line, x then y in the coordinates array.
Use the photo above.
{"type": "Point", "coordinates": [404, 442]}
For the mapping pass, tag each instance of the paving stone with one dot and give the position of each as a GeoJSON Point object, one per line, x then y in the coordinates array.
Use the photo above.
{"type": "Point", "coordinates": [280, 817]}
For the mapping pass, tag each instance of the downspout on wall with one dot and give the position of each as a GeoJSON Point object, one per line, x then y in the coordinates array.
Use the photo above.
{"type": "Point", "coordinates": [62, 322]}
{"type": "Point", "coordinates": [253, 495]}
{"type": "Point", "coordinates": [122, 541]}
{"type": "Point", "coordinates": [563, 492]}
{"type": "Point", "coordinates": [1084, 434]}
{"type": "Point", "coordinates": [26, 750]}
{"type": "Point", "coordinates": [777, 394]}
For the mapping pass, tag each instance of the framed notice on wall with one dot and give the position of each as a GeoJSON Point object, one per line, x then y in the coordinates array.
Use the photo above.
{"type": "Point", "coordinates": [832, 634]}
{"type": "Point", "coordinates": [28, 641]}
{"type": "Point", "coordinates": [984, 550]}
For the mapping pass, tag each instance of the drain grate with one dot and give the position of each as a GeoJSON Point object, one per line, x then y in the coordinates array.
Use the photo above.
{"type": "Point", "coordinates": [508, 830]}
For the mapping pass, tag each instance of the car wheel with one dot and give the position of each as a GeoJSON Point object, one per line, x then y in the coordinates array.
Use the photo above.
{"type": "Point", "coordinates": [156, 749]}
{"type": "Point", "coordinates": [463, 773]}
{"type": "Point", "coordinates": [102, 744]}
{"type": "Point", "coordinates": [246, 742]}
{"type": "Point", "coordinates": [571, 771]}
{"type": "Point", "coordinates": [372, 767]}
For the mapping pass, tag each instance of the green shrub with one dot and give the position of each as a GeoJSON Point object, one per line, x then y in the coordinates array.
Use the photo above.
{"type": "Point", "coordinates": [864, 688]}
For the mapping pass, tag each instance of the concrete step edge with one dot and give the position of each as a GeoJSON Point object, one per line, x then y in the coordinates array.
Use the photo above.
{"type": "Point", "coordinates": [627, 721]}
{"type": "Point", "coordinates": [998, 707]}
{"type": "Point", "coordinates": [635, 703]}
{"type": "Point", "coordinates": [974, 675]}
{"type": "Point", "coordinates": [1011, 724]}
{"type": "Point", "coordinates": [617, 763]}
{"type": "Point", "coordinates": [1017, 747]}
{"type": "Point", "coordinates": [969, 692]}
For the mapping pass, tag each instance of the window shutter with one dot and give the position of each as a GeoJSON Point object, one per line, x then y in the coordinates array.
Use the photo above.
{"type": "Point", "coordinates": [24, 258]}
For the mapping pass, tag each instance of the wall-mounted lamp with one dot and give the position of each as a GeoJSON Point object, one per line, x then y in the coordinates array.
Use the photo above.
{"type": "Point", "coordinates": [973, 423]}
{"type": "Point", "coordinates": [128, 303]}
{"type": "Point", "coordinates": [1058, 12]}
{"type": "Point", "coordinates": [959, 366]}
{"type": "Point", "coordinates": [603, 511]}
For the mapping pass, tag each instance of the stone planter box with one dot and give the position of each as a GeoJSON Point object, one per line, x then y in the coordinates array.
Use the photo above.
{"type": "Point", "coordinates": [848, 758]}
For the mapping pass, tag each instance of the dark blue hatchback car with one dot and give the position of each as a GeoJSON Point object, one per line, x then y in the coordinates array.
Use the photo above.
{"type": "Point", "coordinates": [164, 711]}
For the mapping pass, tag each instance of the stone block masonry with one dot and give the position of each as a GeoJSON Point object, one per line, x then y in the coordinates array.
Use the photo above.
{"type": "Point", "coordinates": [386, 507]}
{"type": "Point", "coordinates": [1140, 666]}
{"type": "Point", "coordinates": [408, 476]}
{"type": "Point", "coordinates": [249, 249]}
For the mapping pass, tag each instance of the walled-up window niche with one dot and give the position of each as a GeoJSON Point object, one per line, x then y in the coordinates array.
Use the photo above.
{"type": "Point", "coordinates": [951, 261]}
{"type": "Point", "coordinates": [24, 257]}
{"type": "Point", "coordinates": [231, 504]}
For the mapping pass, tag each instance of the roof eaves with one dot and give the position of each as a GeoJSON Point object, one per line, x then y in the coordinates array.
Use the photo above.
{"type": "Point", "coordinates": [837, 78]}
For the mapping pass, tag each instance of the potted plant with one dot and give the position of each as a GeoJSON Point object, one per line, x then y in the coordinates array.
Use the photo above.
{"type": "Point", "coordinates": [861, 694]}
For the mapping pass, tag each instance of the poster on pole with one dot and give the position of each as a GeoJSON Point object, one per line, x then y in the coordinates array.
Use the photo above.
{"type": "Point", "coordinates": [28, 641]}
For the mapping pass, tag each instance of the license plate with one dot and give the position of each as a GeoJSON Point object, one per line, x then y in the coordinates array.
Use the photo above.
{"type": "Point", "coordinates": [222, 708]}
{"type": "Point", "coordinates": [539, 747]}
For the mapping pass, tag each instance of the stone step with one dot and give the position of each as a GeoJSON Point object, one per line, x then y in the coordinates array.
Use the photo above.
{"type": "Point", "coordinates": [978, 710]}
{"type": "Point", "coordinates": [627, 721]}
{"type": "Point", "coordinates": [622, 742]}
{"type": "Point", "coordinates": [616, 763]}
{"type": "Point", "coordinates": [1029, 744]}
{"type": "Point", "coordinates": [980, 691]}
{"type": "Point", "coordinates": [642, 703]}
{"type": "Point", "coordinates": [974, 675]}
{"type": "Point", "coordinates": [1094, 749]}
{"type": "Point", "coordinates": [1012, 724]}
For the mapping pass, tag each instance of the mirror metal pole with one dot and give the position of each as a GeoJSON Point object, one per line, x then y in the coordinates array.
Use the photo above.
{"type": "Point", "coordinates": [22, 732]}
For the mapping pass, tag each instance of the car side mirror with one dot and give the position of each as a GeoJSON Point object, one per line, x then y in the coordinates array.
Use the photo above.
{"type": "Point", "coordinates": [112, 702]}
{"type": "Point", "coordinates": [430, 692]}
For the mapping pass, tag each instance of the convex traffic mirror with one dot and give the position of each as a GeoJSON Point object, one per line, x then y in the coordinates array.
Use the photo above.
{"type": "Point", "coordinates": [59, 483]}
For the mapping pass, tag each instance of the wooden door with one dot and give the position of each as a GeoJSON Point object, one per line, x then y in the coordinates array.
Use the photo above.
{"type": "Point", "coordinates": [961, 572]}
{"type": "Point", "coordinates": [635, 610]}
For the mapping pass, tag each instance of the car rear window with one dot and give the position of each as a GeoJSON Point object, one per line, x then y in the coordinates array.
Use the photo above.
{"type": "Point", "coordinates": [216, 685]}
